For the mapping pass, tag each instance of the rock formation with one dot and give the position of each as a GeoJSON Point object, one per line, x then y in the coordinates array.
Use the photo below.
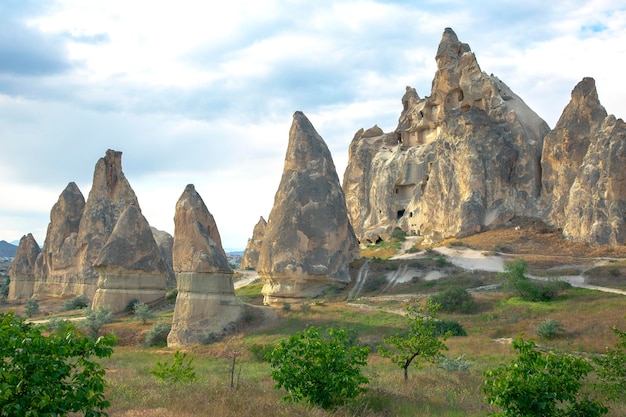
{"type": "Point", "coordinates": [22, 269]}
{"type": "Point", "coordinates": [584, 180]}
{"type": "Point", "coordinates": [308, 241]}
{"type": "Point", "coordinates": [206, 302]}
{"type": "Point", "coordinates": [250, 257]}
{"type": "Point", "coordinates": [130, 265]}
{"type": "Point", "coordinates": [165, 242]}
{"type": "Point", "coordinates": [462, 160]}
{"type": "Point", "coordinates": [58, 261]}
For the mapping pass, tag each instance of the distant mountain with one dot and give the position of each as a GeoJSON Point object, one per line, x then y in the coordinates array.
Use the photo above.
{"type": "Point", "coordinates": [7, 249]}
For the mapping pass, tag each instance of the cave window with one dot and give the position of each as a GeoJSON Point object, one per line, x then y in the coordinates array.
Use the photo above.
{"type": "Point", "coordinates": [400, 213]}
{"type": "Point", "coordinates": [397, 190]}
{"type": "Point", "coordinates": [410, 214]}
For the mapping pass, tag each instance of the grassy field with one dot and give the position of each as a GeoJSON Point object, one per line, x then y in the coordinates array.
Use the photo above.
{"type": "Point", "coordinates": [587, 319]}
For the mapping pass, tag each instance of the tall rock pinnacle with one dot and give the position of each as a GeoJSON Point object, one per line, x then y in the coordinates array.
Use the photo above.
{"type": "Point", "coordinates": [22, 269]}
{"type": "Point", "coordinates": [308, 241]}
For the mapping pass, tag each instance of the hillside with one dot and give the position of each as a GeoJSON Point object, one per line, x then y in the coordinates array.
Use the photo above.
{"type": "Point", "coordinates": [7, 249]}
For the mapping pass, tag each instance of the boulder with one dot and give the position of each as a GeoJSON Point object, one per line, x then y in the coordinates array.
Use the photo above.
{"type": "Point", "coordinates": [308, 241]}
{"type": "Point", "coordinates": [206, 305]}
{"type": "Point", "coordinates": [130, 265]}
{"type": "Point", "coordinates": [58, 262]}
{"type": "Point", "coordinates": [250, 257]}
{"type": "Point", "coordinates": [22, 269]}
{"type": "Point", "coordinates": [462, 160]}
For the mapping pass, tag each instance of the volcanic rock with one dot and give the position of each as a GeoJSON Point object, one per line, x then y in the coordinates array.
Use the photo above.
{"type": "Point", "coordinates": [250, 257]}
{"type": "Point", "coordinates": [206, 305]}
{"type": "Point", "coordinates": [130, 265]}
{"type": "Point", "coordinates": [22, 269]}
{"type": "Point", "coordinates": [464, 159]}
{"type": "Point", "coordinates": [58, 262]}
{"type": "Point", "coordinates": [165, 242]}
{"type": "Point", "coordinates": [308, 241]}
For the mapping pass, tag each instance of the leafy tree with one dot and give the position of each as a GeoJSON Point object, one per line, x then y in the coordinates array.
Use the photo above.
{"type": "Point", "coordinates": [51, 374]}
{"type": "Point", "coordinates": [538, 384]}
{"type": "Point", "coordinates": [142, 312]}
{"type": "Point", "coordinates": [80, 301]}
{"type": "Point", "coordinates": [95, 319]}
{"type": "Point", "coordinates": [177, 371]}
{"type": "Point", "coordinates": [31, 307]}
{"type": "Point", "coordinates": [422, 342]}
{"type": "Point", "coordinates": [455, 299]}
{"type": "Point", "coordinates": [516, 280]}
{"type": "Point", "coordinates": [612, 369]}
{"type": "Point", "coordinates": [320, 367]}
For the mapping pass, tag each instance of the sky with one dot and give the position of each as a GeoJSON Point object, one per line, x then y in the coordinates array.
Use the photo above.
{"type": "Point", "coordinates": [203, 92]}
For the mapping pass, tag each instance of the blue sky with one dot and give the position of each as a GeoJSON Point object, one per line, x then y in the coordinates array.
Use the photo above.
{"type": "Point", "coordinates": [203, 92]}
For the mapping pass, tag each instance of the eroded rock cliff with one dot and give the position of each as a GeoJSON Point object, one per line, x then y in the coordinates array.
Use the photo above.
{"type": "Point", "coordinates": [22, 269]}
{"type": "Point", "coordinates": [250, 258]}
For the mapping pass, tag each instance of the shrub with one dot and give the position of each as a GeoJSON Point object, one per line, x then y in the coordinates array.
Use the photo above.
{"type": "Point", "coordinates": [286, 306]}
{"type": "Point", "coordinates": [320, 367]}
{"type": "Point", "coordinates": [77, 302]}
{"type": "Point", "coordinates": [95, 319]}
{"type": "Point", "coordinates": [455, 299]}
{"type": "Point", "coordinates": [31, 307]}
{"type": "Point", "coordinates": [549, 329]}
{"type": "Point", "coordinates": [52, 374]}
{"type": "Point", "coordinates": [260, 352]}
{"type": "Point", "coordinates": [374, 283]}
{"type": "Point", "coordinates": [142, 312]}
{"type": "Point", "coordinates": [442, 261]}
{"type": "Point", "coordinates": [450, 328]}
{"type": "Point", "coordinates": [171, 295]}
{"type": "Point", "coordinates": [398, 234]}
{"type": "Point", "coordinates": [157, 335]}
{"type": "Point", "coordinates": [455, 364]}
{"type": "Point", "coordinates": [177, 371]}
{"type": "Point", "coordinates": [4, 288]}
{"type": "Point", "coordinates": [208, 338]}
{"type": "Point", "coordinates": [60, 326]}
{"type": "Point", "coordinates": [525, 288]}
{"type": "Point", "coordinates": [130, 305]}
{"type": "Point", "coordinates": [611, 369]}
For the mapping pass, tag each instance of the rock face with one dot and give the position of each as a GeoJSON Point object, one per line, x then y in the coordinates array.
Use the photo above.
{"type": "Point", "coordinates": [206, 302]}
{"type": "Point", "coordinates": [464, 159]}
{"type": "Point", "coordinates": [250, 257]}
{"type": "Point", "coordinates": [165, 242]}
{"type": "Point", "coordinates": [308, 241]}
{"type": "Point", "coordinates": [584, 179]}
{"type": "Point", "coordinates": [22, 269]}
{"type": "Point", "coordinates": [130, 265]}
{"type": "Point", "coordinates": [58, 262]}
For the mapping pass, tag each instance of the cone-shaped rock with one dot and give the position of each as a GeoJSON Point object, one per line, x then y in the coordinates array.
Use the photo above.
{"type": "Point", "coordinates": [22, 269]}
{"type": "Point", "coordinates": [565, 147]}
{"type": "Point", "coordinates": [165, 242]}
{"type": "Point", "coordinates": [250, 257]}
{"type": "Point", "coordinates": [110, 195]}
{"type": "Point", "coordinates": [58, 260]}
{"type": "Point", "coordinates": [308, 241]}
{"type": "Point", "coordinates": [130, 265]}
{"type": "Point", "coordinates": [464, 159]}
{"type": "Point", "coordinates": [206, 302]}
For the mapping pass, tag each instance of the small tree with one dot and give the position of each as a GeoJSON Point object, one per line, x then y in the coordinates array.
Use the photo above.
{"type": "Point", "coordinates": [538, 384]}
{"type": "Point", "coordinates": [321, 367]}
{"type": "Point", "coordinates": [178, 371]}
{"type": "Point", "coordinates": [612, 369]}
{"type": "Point", "coordinates": [95, 319]}
{"type": "Point", "coordinates": [142, 312]}
{"type": "Point", "coordinates": [516, 281]}
{"type": "Point", "coordinates": [31, 307]}
{"type": "Point", "coordinates": [422, 342]}
{"type": "Point", "coordinates": [50, 374]}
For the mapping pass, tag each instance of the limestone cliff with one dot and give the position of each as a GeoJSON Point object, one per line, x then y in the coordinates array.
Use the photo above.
{"type": "Point", "coordinates": [308, 242]}
{"type": "Point", "coordinates": [206, 304]}
{"type": "Point", "coordinates": [22, 269]}
{"type": "Point", "coordinates": [129, 265]}
{"type": "Point", "coordinates": [165, 242]}
{"type": "Point", "coordinates": [464, 159]}
{"type": "Point", "coordinates": [250, 257]}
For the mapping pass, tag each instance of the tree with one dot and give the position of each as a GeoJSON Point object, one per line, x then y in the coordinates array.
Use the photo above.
{"type": "Point", "coordinates": [320, 367]}
{"type": "Point", "coordinates": [177, 371]}
{"type": "Point", "coordinates": [31, 307]}
{"type": "Point", "coordinates": [95, 319]}
{"type": "Point", "coordinates": [50, 374]}
{"type": "Point", "coordinates": [142, 312]}
{"type": "Point", "coordinates": [422, 342]}
{"type": "Point", "coordinates": [538, 384]}
{"type": "Point", "coordinates": [612, 369]}
{"type": "Point", "coordinates": [516, 280]}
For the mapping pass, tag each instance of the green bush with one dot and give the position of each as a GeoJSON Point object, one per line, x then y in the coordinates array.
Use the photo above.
{"type": "Point", "coordinates": [549, 329]}
{"type": "Point", "coordinates": [455, 364]}
{"type": "Point", "coordinates": [321, 367]}
{"type": "Point", "coordinates": [451, 328]}
{"type": "Point", "coordinates": [157, 335]}
{"type": "Point", "coordinates": [286, 307]}
{"type": "Point", "coordinates": [31, 307]}
{"type": "Point", "coordinates": [527, 289]}
{"type": "Point", "coordinates": [442, 261]}
{"type": "Point", "coordinates": [178, 371]}
{"type": "Point", "coordinates": [130, 305]}
{"type": "Point", "coordinates": [375, 283]}
{"type": "Point", "coordinates": [398, 234]}
{"type": "Point", "coordinates": [59, 325]}
{"type": "Point", "coordinates": [95, 319]}
{"type": "Point", "coordinates": [455, 300]}
{"type": "Point", "coordinates": [171, 295]}
{"type": "Point", "coordinates": [260, 352]}
{"type": "Point", "coordinates": [77, 302]}
{"type": "Point", "coordinates": [142, 312]}
{"type": "Point", "coordinates": [50, 375]}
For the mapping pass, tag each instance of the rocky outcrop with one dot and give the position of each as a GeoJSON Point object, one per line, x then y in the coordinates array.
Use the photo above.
{"type": "Point", "coordinates": [206, 303]}
{"type": "Point", "coordinates": [22, 269]}
{"type": "Point", "coordinates": [464, 159]}
{"type": "Point", "coordinates": [58, 262]}
{"type": "Point", "coordinates": [250, 257]}
{"type": "Point", "coordinates": [308, 241]}
{"type": "Point", "coordinates": [584, 180]}
{"type": "Point", "coordinates": [165, 242]}
{"type": "Point", "coordinates": [130, 265]}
